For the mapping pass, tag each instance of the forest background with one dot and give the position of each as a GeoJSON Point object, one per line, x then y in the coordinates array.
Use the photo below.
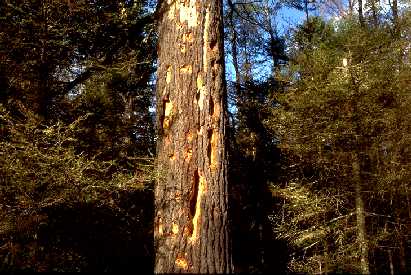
{"type": "Point", "coordinates": [319, 135]}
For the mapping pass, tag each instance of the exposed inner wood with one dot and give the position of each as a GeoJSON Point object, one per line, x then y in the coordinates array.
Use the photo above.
{"type": "Point", "coordinates": [181, 263]}
{"type": "Point", "coordinates": [201, 92]}
{"type": "Point", "coordinates": [171, 9]}
{"type": "Point", "coordinates": [160, 227]}
{"type": "Point", "coordinates": [190, 136]}
{"type": "Point", "coordinates": [188, 37]}
{"type": "Point", "coordinates": [174, 229]}
{"type": "Point", "coordinates": [199, 188]}
{"type": "Point", "coordinates": [168, 75]}
{"type": "Point", "coordinates": [186, 69]}
{"type": "Point", "coordinates": [188, 12]}
{"type": "Point", "coordinates": [183, 48]}
{"type": "Point", "coordinates": [168, 109]}
{"type": "Point", "coordinates": [212, 148]}
{"type": "Point", "coordinates": [200, 131]}
{"type": "Point", "coordinates": [200, 82]}
{"type": "Point", "coordinates": [188, 154]}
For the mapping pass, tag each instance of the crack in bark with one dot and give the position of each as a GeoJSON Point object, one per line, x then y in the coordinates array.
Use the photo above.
{"type": "Point", "coordinates": [181, 263]}
{"type": "Point", "coordinates": [168, 75]}
{"type": "Point", "coordinates": [211, 105]}
{"type": "Point", "coordinates": [186, 69]}
{"type": "Point", "coordinates": [193, 195]}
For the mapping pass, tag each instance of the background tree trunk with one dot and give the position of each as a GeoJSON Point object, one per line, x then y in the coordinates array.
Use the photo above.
{"type": "Point", "coordinates": [374, 10]}
{"type": "Point", "coordinates": [360, 213]}
{"type": "Point", "coordinates": [395, 19]}
{"type": "Point", "coordinates": [234, 51]}
{"type": "Point", "coordinates": [360, 13]}
{"type": "Point", "coordinates": [191, 198]}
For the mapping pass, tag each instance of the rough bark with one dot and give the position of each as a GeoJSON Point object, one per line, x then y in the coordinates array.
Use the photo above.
{"type": "Point", "coordinates": [191, 198]}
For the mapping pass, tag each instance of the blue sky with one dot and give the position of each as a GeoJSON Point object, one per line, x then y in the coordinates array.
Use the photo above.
{"type": "Point", "coordinates": [286, 20]}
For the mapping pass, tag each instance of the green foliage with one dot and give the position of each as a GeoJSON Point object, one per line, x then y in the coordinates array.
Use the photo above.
{"type": "Point", "coordinates": [64, 60]}
{"type": "Point", "coordinates": [40, 170]}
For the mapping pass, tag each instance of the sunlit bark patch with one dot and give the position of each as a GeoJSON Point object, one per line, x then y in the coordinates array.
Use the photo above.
{"type": "Point", "coordinates": [168, 75]}
{"type": "Point", "coordinates": [182, 263]}
{"type": "Point", "coordinates": [186, 69]}
{"type": "Point", "coordinates": [188, 154]}
{"type": "Point", "coordinates": [201, 97]}
{"type": "Point", "coordinates": [174, 229]}
{"type": "Point", "coordinates": [183, 48]}
{"type": "Point", "coordinates": [168, 109]}
{"type": "Point", "coordinates": [200, 131]}
{"type": "Point", "coordinates": [190, 136]}
{"type": "Point", "coordinates": [200, 84]}
{"type": "Point", "coordinates": [188, 12]}
{"type": "Point", "coordinates": [171, 9]}
{"type": "Point", "coordinates": [160, 227]}
{"type": "Point", "coordinates": [188, 37]}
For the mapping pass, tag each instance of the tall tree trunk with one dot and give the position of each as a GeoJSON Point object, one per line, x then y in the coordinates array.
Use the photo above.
{"type": "Point", "coordinates": [350, 7]}
{"type": "Point", "coordinates": [191, 192]}
{"type": "Point", "coordinates": [234, 51]}
{"type": "Point", "coordinates": [390, 262]}
{"type": "Point", "coordinates": [374, 13]}
{"type": "Point", "coordinates": [402, 256]}
{"type": "Point", "coordinates": [360, 213]}
{"type": "Point", "coordinates": [273, 37]}
{"type": "Point", "coordinates": [360, 13]}
{"type": "Point", "coordinates": [395, 19]}
{"type": "Point", "coordinates": [306, 9]}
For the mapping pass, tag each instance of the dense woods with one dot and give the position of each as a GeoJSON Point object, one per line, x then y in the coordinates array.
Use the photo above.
{"type": "Point", "coordinates": [205, 136]}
